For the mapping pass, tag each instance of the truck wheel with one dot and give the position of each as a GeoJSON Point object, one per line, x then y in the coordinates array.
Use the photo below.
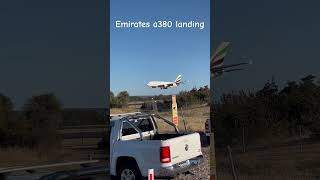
{"type": "Point", "coordinates": [204, 139]}
{"type": "Point", "coordinates": [129, 171]}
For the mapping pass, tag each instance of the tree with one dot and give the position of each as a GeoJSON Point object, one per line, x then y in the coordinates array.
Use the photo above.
{"type": "Point", "coordinates": [123, 98]}
{"type": "Point", "coordinates": [120, 100]}
{"type": "Point", "coordinates": [44, 114]}
{"type": "Point", "coordinates": [111, 95]}
{"type": "Point", "coordinates": [6, 107]}
{"type": "Point", "coordinates": [44, 110]}
{"type": "Point", "coordinates": [113, 100]}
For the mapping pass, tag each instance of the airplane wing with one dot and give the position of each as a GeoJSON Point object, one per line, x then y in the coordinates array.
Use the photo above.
{"type": "Point", "coordinates": [217, 59]}
{"type": "Point", "coordinates": [220, 72]}
{"type": "Point", "coordinates": [227, 70]}
{"type": "Point", "coordinates": [230, 70]}
{"type": "Point", "coordinates": [231, 65]}
{"type": "Point", "coordinates": [165, 86]}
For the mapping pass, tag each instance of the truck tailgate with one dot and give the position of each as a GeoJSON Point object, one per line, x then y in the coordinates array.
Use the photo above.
{"type": "Point", "coordinates": [184, 147]}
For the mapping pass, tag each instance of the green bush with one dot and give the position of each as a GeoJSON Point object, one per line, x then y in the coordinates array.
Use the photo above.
{"type": "Point", "coordinates": [119, 101]}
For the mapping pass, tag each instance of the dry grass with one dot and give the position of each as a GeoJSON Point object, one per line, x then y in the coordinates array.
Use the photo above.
{"type": "Point", "coordinates": [259, 177]}
{"type": "Point", "coordinates": [75, 149]}
{"type": "Point", "coordinates": [22, 157]}
{"type": "Point", "coordinates": [66, 143]}
{"type": "Point", "coordinates": [278, 161]}
{"type": "Point", "coordinates": [78, 130]}
{"type": "Point", "coordinates": [72, 150]}
{"type": "Point", "coordinates": [194, 117]}
{"type": "Point", "coordinates": [124, 110]}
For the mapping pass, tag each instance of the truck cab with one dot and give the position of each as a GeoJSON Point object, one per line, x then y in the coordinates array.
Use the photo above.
{"type": "Point", "coordinates": [137, 145]}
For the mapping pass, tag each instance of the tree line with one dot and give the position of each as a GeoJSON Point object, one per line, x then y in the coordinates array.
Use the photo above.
{"type": "Point", "coordinates": [185, 99]}
{"type": "Point", "coordinates": [270, 113]}
{"type": "Point", "coordinates": [36, 124]}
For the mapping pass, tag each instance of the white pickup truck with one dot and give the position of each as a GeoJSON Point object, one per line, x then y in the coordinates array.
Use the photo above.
{"type": "Point", "coordinates": [136, 145]}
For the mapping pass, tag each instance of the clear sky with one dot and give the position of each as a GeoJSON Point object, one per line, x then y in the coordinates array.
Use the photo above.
{"type": "Point", "coordinates": [281, 37]}
{"type": "Point", "coordinates": [140, 55]}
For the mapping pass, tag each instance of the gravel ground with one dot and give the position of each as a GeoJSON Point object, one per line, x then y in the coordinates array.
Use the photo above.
{"type": "Point", "coordinates": [201, 172]}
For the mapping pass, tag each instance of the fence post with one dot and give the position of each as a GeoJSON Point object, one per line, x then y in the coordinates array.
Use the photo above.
{"type": "Point", "coordinates": [82, 140]}
{"type": "Point", "coordinates": [300, 132]}
{"type": "Point", "coordinates": [213, 162]}
{"type": "Point", "coordinates": [232, 164]}
{"type": "Point", "coordinates": [243, 140]}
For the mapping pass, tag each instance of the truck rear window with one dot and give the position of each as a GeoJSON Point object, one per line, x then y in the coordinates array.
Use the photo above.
{"type": "Point", "coordinates": [127, 129]}
{"type": "Point", "coordinates": [144, 124]}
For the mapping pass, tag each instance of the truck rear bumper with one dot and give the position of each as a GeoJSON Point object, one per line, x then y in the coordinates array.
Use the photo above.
{"type": "Point", "coordinates": [172, 171]}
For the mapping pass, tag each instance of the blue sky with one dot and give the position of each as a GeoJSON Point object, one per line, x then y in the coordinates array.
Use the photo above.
{"type": "Point", "coordinates": [280, 37]}
{"type": "Point", "coordinates": [140, 55]}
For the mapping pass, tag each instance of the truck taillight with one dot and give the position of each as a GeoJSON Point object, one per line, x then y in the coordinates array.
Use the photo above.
{"type": "Point", "coordinates": [165, 156]}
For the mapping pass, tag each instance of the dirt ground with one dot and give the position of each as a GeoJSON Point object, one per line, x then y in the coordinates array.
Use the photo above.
{"type": "Point", "coordinates": [202, 172]}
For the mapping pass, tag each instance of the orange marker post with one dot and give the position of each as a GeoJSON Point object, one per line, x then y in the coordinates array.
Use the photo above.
{"type": "Point", "coordinates": [175, 118]}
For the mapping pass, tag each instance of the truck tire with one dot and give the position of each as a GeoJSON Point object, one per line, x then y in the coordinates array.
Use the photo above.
{"type": "Point", "coordinates": [129, 171]}
{"type": "Point", "coordinates": [204, 139]}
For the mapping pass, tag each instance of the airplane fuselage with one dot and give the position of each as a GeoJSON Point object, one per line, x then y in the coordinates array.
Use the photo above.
{"type": "Point", "coordinates": [161, 84]}
{"type": "Point", "coordinates": [165, 84]}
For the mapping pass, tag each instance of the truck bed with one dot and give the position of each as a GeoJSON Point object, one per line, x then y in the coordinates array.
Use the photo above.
{"type": "Point", "coordinates": [166, 136]}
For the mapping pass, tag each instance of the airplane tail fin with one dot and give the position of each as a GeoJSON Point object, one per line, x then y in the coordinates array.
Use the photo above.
{"type": "Point", "coordinates": [178, 79]}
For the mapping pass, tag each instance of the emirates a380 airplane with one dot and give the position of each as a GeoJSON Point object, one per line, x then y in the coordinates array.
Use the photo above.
{"type": "Point", "coordinates": [164, 84]}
